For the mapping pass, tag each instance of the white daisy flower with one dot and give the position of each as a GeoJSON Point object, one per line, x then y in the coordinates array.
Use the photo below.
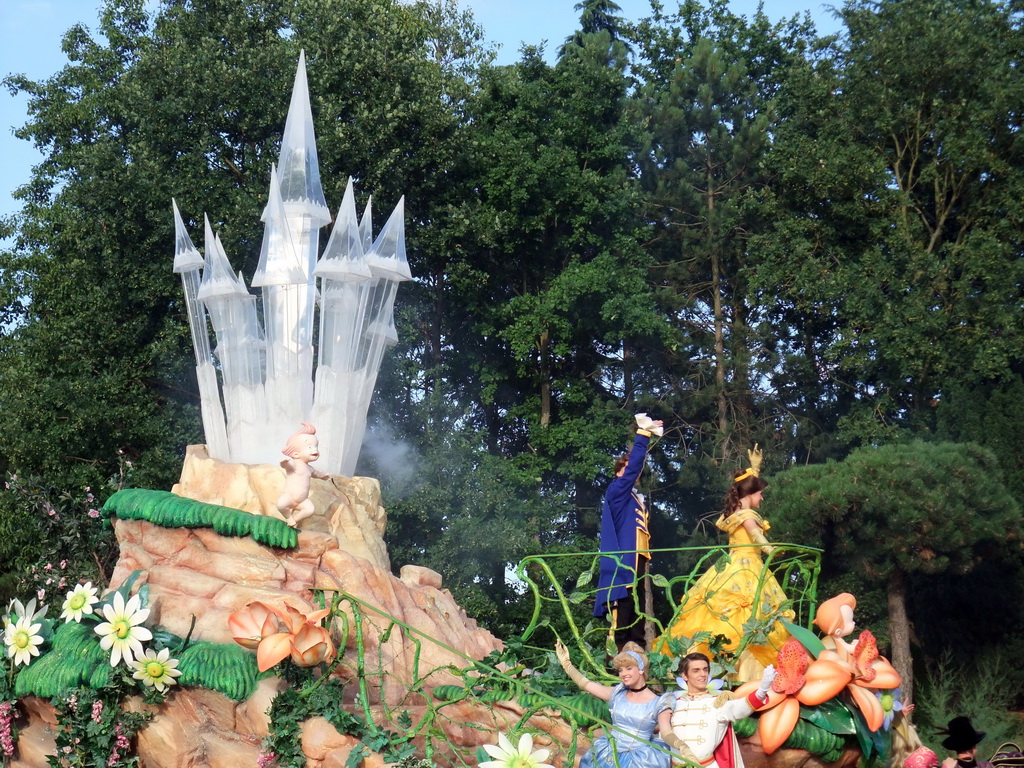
{"type": "Point", "coordinates": [156, 669]}
{"type": "Point", "coordinates": [22, 640]}
{"type": "Point", "coordinates": [79, 601]}
{"type": "Point", "coordinates": [521, 756]}
{"type": "Point", "coordinates": [120, 633]}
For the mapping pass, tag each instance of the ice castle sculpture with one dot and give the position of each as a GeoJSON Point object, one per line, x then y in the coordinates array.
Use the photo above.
{"type": "Point", "coordinates": [266, 383]}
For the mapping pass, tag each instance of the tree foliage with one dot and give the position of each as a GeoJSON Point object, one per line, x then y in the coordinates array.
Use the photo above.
{"type": "Point", "coordinates": [890, 514]}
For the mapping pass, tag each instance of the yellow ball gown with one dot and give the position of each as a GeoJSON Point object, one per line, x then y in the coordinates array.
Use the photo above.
{"type": "Point", "coordinates": [721, 601]}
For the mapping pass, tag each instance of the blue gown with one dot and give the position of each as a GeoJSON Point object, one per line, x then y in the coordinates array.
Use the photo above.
{"type": "Point", "coordinates": [634, 728]}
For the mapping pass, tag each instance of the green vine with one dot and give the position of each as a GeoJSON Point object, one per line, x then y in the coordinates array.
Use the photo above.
{"type": "Point", "coordinates": [293, 706]}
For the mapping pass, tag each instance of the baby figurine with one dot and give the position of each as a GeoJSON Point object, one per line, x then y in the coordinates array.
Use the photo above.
{"type": "Point", "coordinates": [302, 449]}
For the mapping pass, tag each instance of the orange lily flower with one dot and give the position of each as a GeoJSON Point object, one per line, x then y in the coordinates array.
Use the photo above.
{"type": "Point", "coordinates": [830, 673]}
{"type": "Point", "coordinates": [273, 650]}
{"type": "Point", "coordinates": [257, 626]}
{"type": "Point", "coordinates": [780, 713]}
{"type": "Point", "coordinates": [799, 682]}
{"type": "Point", "coordinates": [252, 624]}
{"type": "Point", "coordinates": [311, 645]}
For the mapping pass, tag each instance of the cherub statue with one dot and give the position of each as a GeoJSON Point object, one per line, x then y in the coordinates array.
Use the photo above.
{"type": "Point", "coordinates": [302, 449]}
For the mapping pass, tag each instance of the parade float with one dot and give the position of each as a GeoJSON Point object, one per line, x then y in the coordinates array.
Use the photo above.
{"type": "Point", "coordinates": [244, 630]}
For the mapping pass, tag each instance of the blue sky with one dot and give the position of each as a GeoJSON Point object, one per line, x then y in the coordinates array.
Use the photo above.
{"type": "Point", "coordinates": [31, 30]}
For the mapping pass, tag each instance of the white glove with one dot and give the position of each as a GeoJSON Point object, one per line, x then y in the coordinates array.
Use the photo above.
{"type": "Point", "coordinates": [767, 678]}
{"type": "Point", "coordinates": [647, 423]}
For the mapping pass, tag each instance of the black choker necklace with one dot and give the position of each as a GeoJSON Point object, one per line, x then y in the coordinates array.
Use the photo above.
{"type": "Point", "coordinates": [637, 690]}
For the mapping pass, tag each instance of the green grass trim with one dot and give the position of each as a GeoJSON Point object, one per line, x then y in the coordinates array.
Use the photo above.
{"type": "Point", "coordinates": [75, 660]}
{"type": "Point", "coordinates": [227, 669]}
{"type": "Point", "coordinates": [172, 511]}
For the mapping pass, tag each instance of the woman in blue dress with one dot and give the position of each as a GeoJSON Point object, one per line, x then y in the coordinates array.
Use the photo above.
{"type": "Point", "coordinates": [634, 709]}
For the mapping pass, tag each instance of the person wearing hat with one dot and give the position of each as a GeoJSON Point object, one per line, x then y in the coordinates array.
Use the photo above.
{"type": "Point", "coordinates": [963, 740]}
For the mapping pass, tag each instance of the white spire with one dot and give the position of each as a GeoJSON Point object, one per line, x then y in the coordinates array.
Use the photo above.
{"type": "Point", "coordinates": [387, 256]}
{"type": "Point", "coordinates": [186, 255]}
{"type": "Point", "coordinates": [298, 165]}
{"type": "Point", "coordinates": [280, 262]}
{"type": "Point", "coordinates": [218, 277]}
{"type": "Point", "coordinates": [343, 257]}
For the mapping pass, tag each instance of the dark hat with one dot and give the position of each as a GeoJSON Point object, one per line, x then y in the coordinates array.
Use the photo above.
{"type": "Point", "coordinates": [962, 735]}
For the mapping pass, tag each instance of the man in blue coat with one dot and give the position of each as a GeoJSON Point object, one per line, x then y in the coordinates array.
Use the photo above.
{"type": "Point", "coordinates": [625, 542]}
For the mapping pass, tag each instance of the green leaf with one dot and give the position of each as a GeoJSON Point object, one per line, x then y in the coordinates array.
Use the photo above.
{"type": "Point", "coordinates": [806, 638]}
{"type": "Point", "coordinates": [833, 715]}
{"type": "Point", "coordinates": [585, 578]}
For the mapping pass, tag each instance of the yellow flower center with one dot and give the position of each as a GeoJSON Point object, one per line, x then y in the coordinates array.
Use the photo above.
{"type": "Point", "coordinates": [122, 628]}
{"type": "Point", "coordinates": [155, 669]}
{"type": "Point", "coordinates": [887, 702]}
{"type": "Point", "coordinates": [22, 639]}
{"type": "Point", "coordinates": [76, 602]}
{"type": "Point", "coordinates": [518, 761]}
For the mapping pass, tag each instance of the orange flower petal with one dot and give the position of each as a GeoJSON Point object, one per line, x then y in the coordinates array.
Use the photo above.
{"type": "Point", "coordinates": [273, 650]}
{"type": "Point", "coordinates": [746, 689]}
{"type": "Point", "coordinates": [869, 706]}
{"type": "Point", "coordinates": [776, 724]}
{"type": "Point", "coordinates": [825, 679]}
{"type": "Point", "coordinates": [315, 616]}
{"type": "Point", "coordinates": [838, 658]}
{"type": "Point", "coordinates": [293, 618]}
{"type": "Point", "coordinates": [886, 676]}
{"type": "Point", "coordinates": [253, 623]}
{"type": "Point", "coordinates": [311, 646]}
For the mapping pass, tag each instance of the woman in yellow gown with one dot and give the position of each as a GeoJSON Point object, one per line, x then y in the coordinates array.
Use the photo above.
{"type": "Point", "coordinates": [722, 600]}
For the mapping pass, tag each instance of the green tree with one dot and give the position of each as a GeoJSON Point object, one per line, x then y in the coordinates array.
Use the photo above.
{"type": "Point", "coordinates": [895, 245]}
{"type": "Point", "coordinates": [706, 99]}
{"type": "Point", "coordinates": [892, 514]}
{"type": "Point", "coordinates": [549, 284]}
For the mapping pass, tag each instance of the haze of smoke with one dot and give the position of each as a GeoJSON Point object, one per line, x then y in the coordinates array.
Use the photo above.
{"type": "Point", "coordinates": [392, 461]}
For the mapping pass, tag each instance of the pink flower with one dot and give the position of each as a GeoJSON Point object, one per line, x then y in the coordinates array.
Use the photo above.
{"type": "Point", "coordinates": [48, 567]}
{"type": "Point", "coordinates": [97, 711]}
{"type": "Point", "coordinates": [121, 744]}
{"type": "Point", "coordinates": [6, 731]}
{"type": "Point", "coordinates": [266, 759]}
{"type": "Point", "coordinates": [42, 592]}
{"type": "Point", "coordinates": [63, 564]}
{"type": "Point", "coordinates": [94, 513]}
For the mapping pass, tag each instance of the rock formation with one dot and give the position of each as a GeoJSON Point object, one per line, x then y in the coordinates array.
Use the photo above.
{"type": "Point", "coordinates": [196, 573]}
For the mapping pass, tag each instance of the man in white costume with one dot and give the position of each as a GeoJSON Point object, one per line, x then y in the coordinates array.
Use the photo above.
{"type": "Point", "coordinates": [698, 727]}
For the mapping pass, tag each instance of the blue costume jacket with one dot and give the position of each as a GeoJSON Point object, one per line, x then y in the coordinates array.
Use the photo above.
{"type": "Point", "coordinates": [623, 529]}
